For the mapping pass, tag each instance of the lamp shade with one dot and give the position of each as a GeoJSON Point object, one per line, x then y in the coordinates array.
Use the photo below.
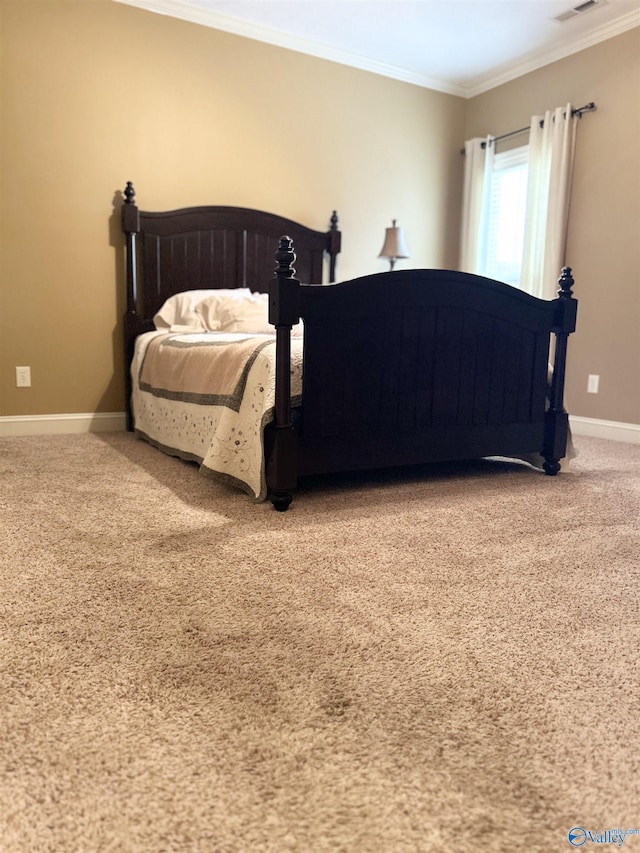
{"type": "Point", "coordinates": [394, 246]}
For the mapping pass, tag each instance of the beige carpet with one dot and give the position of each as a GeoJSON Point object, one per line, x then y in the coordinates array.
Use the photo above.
{"type": "Point", "coordinates": [440, 660]}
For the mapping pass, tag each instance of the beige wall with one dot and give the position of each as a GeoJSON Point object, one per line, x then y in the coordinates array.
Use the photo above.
{"type": "Point", "coordinates": [604, 228]}
{"type": "Point", "coordinates": [96, 93]}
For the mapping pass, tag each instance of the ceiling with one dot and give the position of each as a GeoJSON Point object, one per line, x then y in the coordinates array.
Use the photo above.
{"type": "Point", "coordinates": [462, 47]}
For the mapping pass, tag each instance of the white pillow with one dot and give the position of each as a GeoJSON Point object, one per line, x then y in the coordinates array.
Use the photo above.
{"type": "Point", "coordinates": [236, 311]}
{"type": "Point", "coordinates": [178, 314]}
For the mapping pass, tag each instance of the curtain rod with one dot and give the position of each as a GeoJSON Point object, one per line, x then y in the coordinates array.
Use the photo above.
{"type": "Point", "coordinates": [588, 108]}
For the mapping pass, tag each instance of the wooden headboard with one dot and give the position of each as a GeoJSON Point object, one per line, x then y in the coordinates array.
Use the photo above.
{"type": "Point", "coordinates": [211, 247]}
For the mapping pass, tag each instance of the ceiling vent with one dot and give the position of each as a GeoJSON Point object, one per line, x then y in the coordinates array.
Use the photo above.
{"type": "Point", "coordinates": [580, 9]}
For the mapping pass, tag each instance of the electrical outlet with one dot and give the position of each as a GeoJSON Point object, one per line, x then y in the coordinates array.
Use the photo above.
{"type": "Point", "coordinates": [592, 383]}
{"type": "Point", "coordinates": [23, 377]}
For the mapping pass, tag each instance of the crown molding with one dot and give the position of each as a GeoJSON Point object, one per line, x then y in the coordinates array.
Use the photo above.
{"type": "Point", "coordinates": [258, 32]}
{"type": "Point", "coordinates": [539, 60]}
{"type": "Point", "coordinates": [469, 89]}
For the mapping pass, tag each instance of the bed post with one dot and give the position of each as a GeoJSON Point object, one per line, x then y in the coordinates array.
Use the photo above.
{"type": "Point", "coordinates": [334, 241]}
{"type": "Point", "coordinates": [281, 463]}
{"type": "Point", "coordinates": [131, 227]}
{"type": "Point", "coordinates": [556, 429]}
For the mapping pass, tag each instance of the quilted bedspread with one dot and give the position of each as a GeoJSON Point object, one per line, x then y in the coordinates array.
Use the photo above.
{"type": "Point", "coordinates": [207, 398]}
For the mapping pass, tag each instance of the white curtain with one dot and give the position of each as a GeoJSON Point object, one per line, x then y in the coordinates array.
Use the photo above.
{"type": "Point", "coordinates": [478, 163]}
{"type": "Point", "coordinates": [551, 151]}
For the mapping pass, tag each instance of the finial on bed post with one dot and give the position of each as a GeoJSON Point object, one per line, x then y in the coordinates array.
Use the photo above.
{"type": "Point", "coordinates": [130, 213]}
{"type": "Point", "coordinates": [556, 418]}
{"type": "Point", "coordinates": [285, 257]}
{"type": "Point", "coordinates": [284, 289]}
{"type": "Point", "coordinates": [565, 283]}
{"type": "Point", "coordinates": [334, 241]}
{"type": "Point", "coordinates": [129, 193]}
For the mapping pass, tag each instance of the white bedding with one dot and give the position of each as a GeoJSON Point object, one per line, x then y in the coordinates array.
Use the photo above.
{"type": "Point", "coordinates": [223, 432]}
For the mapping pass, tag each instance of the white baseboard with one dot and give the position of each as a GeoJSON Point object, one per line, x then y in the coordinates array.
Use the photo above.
{"type": "Point", "coordinates": [57, 424]}
{"type": "Point", "coordinates": [613, 430]}
{"type": "Point", "coordinates": [116, 421]}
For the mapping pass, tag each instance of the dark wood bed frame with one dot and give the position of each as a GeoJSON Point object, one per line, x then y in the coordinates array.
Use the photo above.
{"type": "Point", "coordinates": [400, 368]}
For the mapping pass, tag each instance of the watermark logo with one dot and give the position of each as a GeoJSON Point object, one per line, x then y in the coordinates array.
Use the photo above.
{"type": "Point", "coordinates": [578, 836]}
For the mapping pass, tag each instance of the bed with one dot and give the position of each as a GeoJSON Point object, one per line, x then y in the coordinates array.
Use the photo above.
{"type": "Point", "coordinates": [390, 369]}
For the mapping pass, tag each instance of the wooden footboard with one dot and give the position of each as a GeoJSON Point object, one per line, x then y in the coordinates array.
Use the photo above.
{"type": "Point", "coordinates": [418, 366]}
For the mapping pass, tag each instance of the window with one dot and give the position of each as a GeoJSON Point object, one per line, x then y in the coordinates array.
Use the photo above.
{"type": "Point", "coordinates": [507, 204]}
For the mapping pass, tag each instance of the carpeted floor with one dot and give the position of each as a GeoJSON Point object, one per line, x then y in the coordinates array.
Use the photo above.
{"type": "Point", "coordinates": [436, 660]}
